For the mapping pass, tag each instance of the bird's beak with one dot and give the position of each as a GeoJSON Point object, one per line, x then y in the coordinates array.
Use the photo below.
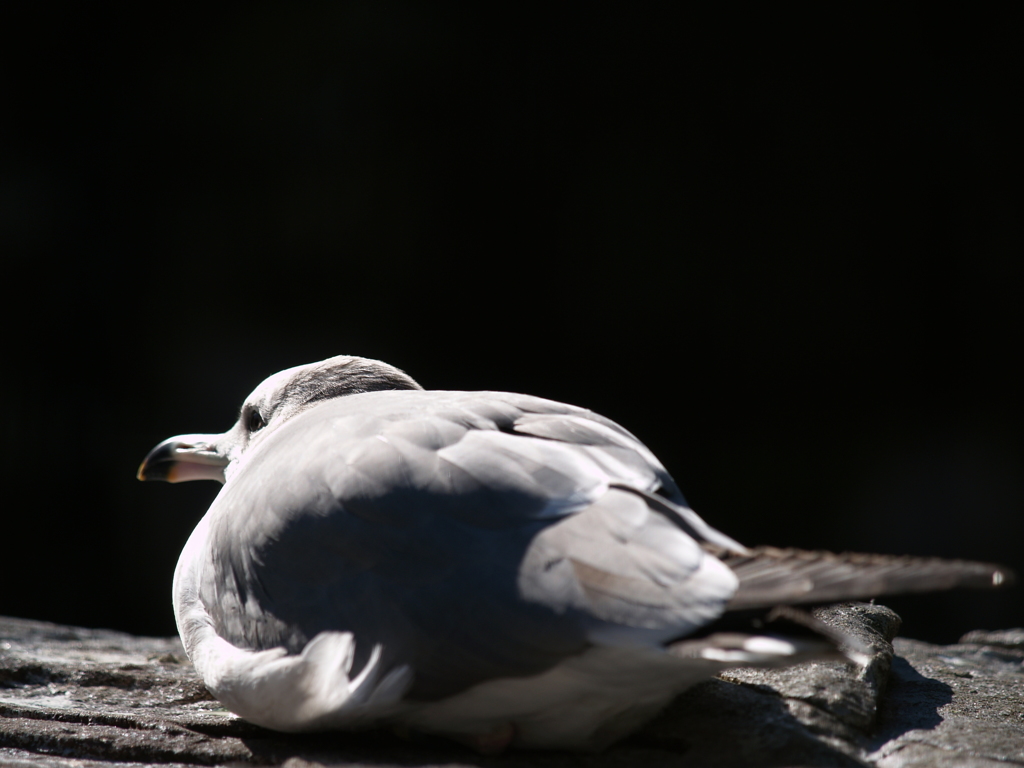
{"type": "Point", "coordinates": [185, 457]}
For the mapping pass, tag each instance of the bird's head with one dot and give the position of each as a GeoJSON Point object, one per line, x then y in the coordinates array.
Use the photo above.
{"type": "Point", "coordinates": [277, 399]}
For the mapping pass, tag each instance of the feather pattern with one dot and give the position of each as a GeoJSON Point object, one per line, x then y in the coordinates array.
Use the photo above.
{"type": "Point", "coordinates": [771, 576]}
{"type": "Point", "coordinates": [495, 567]}
{"type": "Point", "coordinates": [417, 509]}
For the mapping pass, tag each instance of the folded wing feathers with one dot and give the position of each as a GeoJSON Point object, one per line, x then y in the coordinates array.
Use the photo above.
{"type": "Point", "coordinates": [771, 576]}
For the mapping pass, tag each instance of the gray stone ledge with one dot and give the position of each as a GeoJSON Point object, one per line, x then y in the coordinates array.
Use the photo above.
{"type": "Point", "coordinates": [81, 698]}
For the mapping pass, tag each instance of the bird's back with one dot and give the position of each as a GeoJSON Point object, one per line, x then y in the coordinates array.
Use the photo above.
{"type": "Point", "coordinates": [473, 535]}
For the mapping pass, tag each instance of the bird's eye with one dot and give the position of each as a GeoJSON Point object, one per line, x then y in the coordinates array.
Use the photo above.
{"type": "Point", "coordinates": [256, 421]}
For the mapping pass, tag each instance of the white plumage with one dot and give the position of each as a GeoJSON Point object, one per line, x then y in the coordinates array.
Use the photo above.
{"type": "Point", "coordinates": [497, 568]}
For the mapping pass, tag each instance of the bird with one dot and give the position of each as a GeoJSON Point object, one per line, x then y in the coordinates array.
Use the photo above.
{"type": "Point", "coordinates": [497, 568]}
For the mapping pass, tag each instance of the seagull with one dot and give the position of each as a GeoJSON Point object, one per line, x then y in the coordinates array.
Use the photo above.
{"type": "Point", "coordinates": [497, 568]}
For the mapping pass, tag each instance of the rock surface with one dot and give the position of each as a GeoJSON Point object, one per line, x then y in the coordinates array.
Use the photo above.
{"type": "Point", "coordinates": [81, 697]}
{"type": "Point", "coordinates": [954, 705]}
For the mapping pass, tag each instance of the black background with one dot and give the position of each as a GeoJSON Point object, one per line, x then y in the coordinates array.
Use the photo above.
{"type": "Point", "coordinates": [784, 250]}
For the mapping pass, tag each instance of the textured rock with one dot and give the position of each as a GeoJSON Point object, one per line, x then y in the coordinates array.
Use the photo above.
{"type": "Point", "coordinates": [811, 714]}
{"type": "Point", "coordinates": [955, 705]}
{"type": "Point", "coordinates": [78, 697]}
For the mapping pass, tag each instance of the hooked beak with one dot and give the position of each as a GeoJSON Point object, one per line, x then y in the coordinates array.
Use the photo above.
{"type": "Point", "coordinates": [185, 457]}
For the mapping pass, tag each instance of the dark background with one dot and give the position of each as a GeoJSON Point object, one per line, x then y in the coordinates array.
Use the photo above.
{"type": "Point", "coordinates": [784, 250]}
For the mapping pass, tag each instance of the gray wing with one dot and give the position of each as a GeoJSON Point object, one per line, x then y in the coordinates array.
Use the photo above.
{"type": "Point", "coordinates": [471, 535]}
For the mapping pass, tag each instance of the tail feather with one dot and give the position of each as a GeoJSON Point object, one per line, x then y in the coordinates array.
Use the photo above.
{"type": "Point", "coordinates": [770, 576]}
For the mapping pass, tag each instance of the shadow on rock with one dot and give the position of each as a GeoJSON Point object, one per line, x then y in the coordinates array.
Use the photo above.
{"type": "Point", "coordinates": [758, 727]}
{"type": "Point", "coordinates": [911, 703]}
